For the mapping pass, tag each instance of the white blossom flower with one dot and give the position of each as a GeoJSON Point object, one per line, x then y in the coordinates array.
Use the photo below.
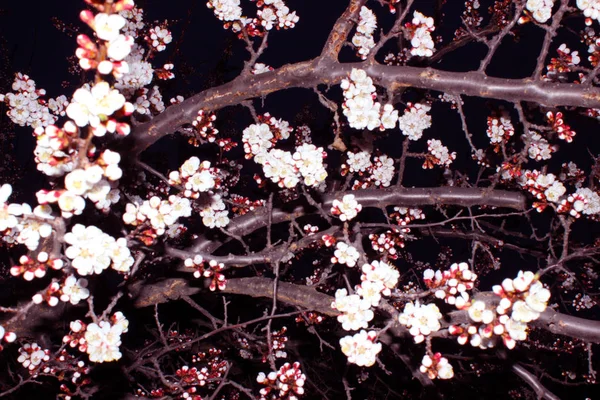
{"type": "Point", "coordinates": [421, 40]}
{"type": "Point", "coordinates": [89, 106]}
{"type": "Point", "coordinates": [356, 311]}
{"type": "Point", "coordinates": [107, 26]}
{"type": "Point", "coordinates": [103, 341]}
{"type": "Point", "coordinates": [346, 209]}
{"type": "Point", "coordinates": [540, 9]}
{"type": "Point", "coordinates": [361, 348]}
{"type": "Point", "coordinates": [359, 162]}
{"type": "Point", "coordinates": [421, 319]}
{"type": "Point", "coordinates": [415, 120]}
{"type": "Point", "coordinates": [8, 219]}
{"type": "Point", "coordinates": [592, 204]}
{"type": "Point", "coordinates": [74, 290]}
{"type": "Point", "coordinates": [590, 8]}
{"type": "Point", "coordinates": [346, 254]}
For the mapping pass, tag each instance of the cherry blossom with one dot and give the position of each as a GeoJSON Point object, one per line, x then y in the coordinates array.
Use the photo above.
{"type": "Point", "coordinates": [540, 9]}
{"type": "Point", "coordinates": [590, 8]}
{"type": "Point", "coordinates": [103, 340]}
{"type": "Point", "coordinates": [361, 348]}
{"type": "Point", "coordinates": [346, 209]}
{"type": "Point", "coordinates": [359, 105]}
{"type": "Point", "coordinates": [8, 212]}
{"type": "Point", "coordinates": [436, 366]}
{"type": "Point", "coordinates": [421, 319]}
{"type": "Point", "coordinates": [356, 311]}
{"type": "Point", "coordinates": [31, 356]}
{"type": "Point", "coordinates": [74, 290]}
{"type": "Point", "coordinates": [363, 39]}
{"type": "Point", "coordinates": [345, 254]}
{"type": "Point", "coordinates": [415, 120]}
{"type": "Point", "coordinates": [420, 29]}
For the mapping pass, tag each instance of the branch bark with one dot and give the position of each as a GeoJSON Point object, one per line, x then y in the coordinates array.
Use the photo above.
{"type": "Point", "coordinates": [378, 198]}
{"type": "Point", "coordinates": [311, 73]}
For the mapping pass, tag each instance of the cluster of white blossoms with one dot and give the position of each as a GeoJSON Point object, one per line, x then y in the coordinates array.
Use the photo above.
{"type": "Point", "coordinates": [308, 159]}
{"type": "Point", "coordinates": [384, 275]}
{"type": "Point", "coordinates": [590, 202]}
{"type": "Point", "coordinates": [361, 349]}
{"type": "Point", "coordinates": [283, 167]}
{"type": "Point", "coordinates": [196, 177]}
{"type": "Point", "coordinates": [590, 8]}
{"type": "Point", "coordinates": [436, 366]}
{"type": "Point", "coordinates": [55, 149]}
{"type": "Point", "coordinates": [377, 279]}
{"type": "Point", "coordinates": [93, 107]}
{"type": "Point", "coordinates": [521, 301]}
{"type": "Point", "coordinates": [279, 166]}
{"type": "Point", "coordinates": [287, 383]}
{"type": "Point", "coordinates": [345, 254]}
{"type": "Point", "coordinates": [8, 212]}
{"type": "Point", "coordinates": [415, 120]}
{"type": "Point", "coordinates": [541, 10]}
{"type": "Point", "coordinates": [102, 340]}
{"type": "Point", "coordinates": [346, 209]}
{"type": "Point", "coordinates": [379, 172]}
{"type": "Point", "coordinates": [499, 129]}
{"type": "Point", "coordinates": [421, 319]}
{"type": "Point", "coordinates": [543, 186]}
{"type": "Point", "coordinates": [159, 38]}
{"type": "Point", "coordinates": [159, 214]}
{"type": "Point", "coordinates": [420, 30]}
{"type": "Point", "coordinates": [26, 108]}
{"type": "Point", "coordinates": [148, 101]}
{"type": "Point", "coordinates": [33, 225]}
{"type": "Point", "coordinates": [382, 172]}
{"type": "Point", "coordinates": [440, 153]}
{"type": "Point", "coordinates": [539, 148]}
{"type": "Point", "coordinates": [89, 183]}
{"type": "Point", "coordinates": [358, 162]}
{"type": "Point", "coordinates": [525, 294]}
{"type": "Point", "coordinates": [71, 290]}
{"type": "Point", "coordinates": [271, 14]}
{"type": "Point", "coordinates": [140, 72]}
{"type": "Point", "coordinates": [117, 46]}
{"type": "Point", "coordinates": [451, 285]}
{"type": "Point", "coordinates": [92, 251]}
{"type": "Point", "coordinates": [31, 356]}
{"type": "Point", "coordinates": [257, 139]}
{"type": "Point", "coordinates": [359, 106]}
{"type": "Point", "coordinates": [215, 215]}
{"type": "Point", "coordinates": [134, 21]}
{"type": "Point", "coordinates": [363, 38]}
{"type": "Point", "coordinates": [355, 311]}
{"type": "Point", "coordinates": [226, 10]}
{"type": "Point", "coordinates": [276, 14]}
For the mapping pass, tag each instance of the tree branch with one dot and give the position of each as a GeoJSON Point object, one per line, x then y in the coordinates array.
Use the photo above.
{"type": "Point", "coordinates": [309, 74]}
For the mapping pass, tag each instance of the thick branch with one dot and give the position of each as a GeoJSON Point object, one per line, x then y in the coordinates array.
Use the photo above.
{"type": "Point", "coordinates": [562, 324]}
{"type": "Point", "coordinates": [341, 29]}
{"type": "Point", "coordinates": [319, 71]}
{"type": "Point", "coordinates": [301, 296]}
{"type": "Point", "coordinates": [310, 299]}
{"type": "Point", "coordinates": [539, 389]}
{"type": "Point", "coordinates": [379, 198]}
